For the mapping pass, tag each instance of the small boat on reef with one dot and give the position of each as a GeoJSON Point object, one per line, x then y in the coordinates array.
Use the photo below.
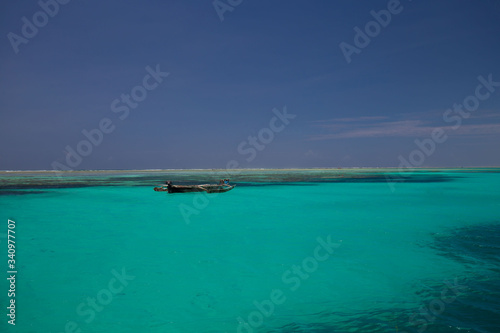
{"type": "Point", "coordinates": [223, 186]}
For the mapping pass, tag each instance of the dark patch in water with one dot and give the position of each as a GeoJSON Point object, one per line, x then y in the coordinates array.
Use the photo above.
{"type": "Point", "coordinates": [364, 179]}
{"type": "Point", "coordinates": [274, 184]}
{"type": "Point", "coordinates": [476, 308]}
{"type": "Point", "coordinates": [478, 245]}
{"type": "Point", "coordinates": [383, 179]}
{"type": "Point", "coordinates": [21, 192]}
{"type": "Point", "coordinates": [274, 177]}
{"type": "Point", "coordinates": [47, 186]}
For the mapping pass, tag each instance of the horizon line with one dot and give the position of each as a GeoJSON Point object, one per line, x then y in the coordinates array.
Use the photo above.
{"type": "Point", "coordinates": [256, 169]}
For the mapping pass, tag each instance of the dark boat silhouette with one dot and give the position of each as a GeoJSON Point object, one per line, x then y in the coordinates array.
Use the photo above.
{"type": "Point", "coordinates": [209, 188]}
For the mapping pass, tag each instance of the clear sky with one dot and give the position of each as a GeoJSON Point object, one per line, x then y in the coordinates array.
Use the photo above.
{"type": "Point", "coordinates": [388, 91]}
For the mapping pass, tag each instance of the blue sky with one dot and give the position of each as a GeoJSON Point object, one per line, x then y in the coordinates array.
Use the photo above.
{"type": "Point", "coordinates": [226, 77]}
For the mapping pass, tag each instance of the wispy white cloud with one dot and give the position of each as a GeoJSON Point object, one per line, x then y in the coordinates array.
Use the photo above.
{"type": "Point", "coordinates": [378, 127]}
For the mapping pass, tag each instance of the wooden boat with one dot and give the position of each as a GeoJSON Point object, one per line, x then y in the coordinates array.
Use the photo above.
{"type": "Point", "coordinates": [209, 188]}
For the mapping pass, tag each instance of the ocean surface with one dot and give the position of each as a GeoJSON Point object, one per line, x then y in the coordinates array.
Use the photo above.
{"type": "Point", "coordinates": [320, 250]}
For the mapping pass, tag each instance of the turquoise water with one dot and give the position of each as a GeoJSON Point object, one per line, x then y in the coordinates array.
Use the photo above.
{"type": "Point", "coordinates": [418, 254]}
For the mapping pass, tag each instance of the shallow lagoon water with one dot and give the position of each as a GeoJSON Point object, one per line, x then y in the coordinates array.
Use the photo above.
{"type": "Point", "coordinates": [213, 263]}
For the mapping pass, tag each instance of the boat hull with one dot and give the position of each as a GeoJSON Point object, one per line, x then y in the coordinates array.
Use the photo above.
{"type": "Point", "coordinates": [217, 188]}
{"type": "Point", "coordinates": [208, 188]}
